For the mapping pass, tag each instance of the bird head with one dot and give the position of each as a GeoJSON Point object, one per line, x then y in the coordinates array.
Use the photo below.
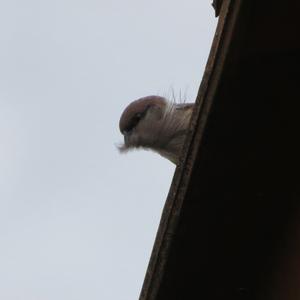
{"type": "Point", "coordinates": [155, 123]}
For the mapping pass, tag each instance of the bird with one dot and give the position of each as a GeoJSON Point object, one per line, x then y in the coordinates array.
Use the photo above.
{"type": "Point", "coordinates": [155, 123]}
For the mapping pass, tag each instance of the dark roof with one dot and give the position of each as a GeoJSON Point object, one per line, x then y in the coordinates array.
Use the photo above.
{"type": "Point", "coordinates": [229, 228]}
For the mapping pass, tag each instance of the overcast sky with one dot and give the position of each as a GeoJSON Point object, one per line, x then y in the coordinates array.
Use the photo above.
{"type": "Point", "coordinates": [77, 219]}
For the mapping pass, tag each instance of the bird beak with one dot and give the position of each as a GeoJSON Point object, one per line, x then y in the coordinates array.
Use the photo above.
{"type": "Point", "coordinates": [126, 137]}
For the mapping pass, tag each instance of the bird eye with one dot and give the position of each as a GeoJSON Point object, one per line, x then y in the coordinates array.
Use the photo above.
{"type": "Point", "coordinates": [138, 116]}
{"type": "Point", "coordinates": [134, 121]}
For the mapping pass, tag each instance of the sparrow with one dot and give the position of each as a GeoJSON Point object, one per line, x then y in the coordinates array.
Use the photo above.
{"type": "Point", "coordinates": [155, 123]}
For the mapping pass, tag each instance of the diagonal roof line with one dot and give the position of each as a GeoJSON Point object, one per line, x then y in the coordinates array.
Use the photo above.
{"type": "Point", "coordinates": [172, 209]}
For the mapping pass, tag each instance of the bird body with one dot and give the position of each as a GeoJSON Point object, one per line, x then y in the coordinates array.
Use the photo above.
{"type": "Point", "coordinates": [155, 123]}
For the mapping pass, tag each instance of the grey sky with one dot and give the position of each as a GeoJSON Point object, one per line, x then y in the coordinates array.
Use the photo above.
{"type": "Point", "coordinates": [77, 219]}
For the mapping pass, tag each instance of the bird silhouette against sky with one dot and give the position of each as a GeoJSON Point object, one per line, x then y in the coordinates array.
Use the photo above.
{"type": "Point", "coordinates": [155, 123]}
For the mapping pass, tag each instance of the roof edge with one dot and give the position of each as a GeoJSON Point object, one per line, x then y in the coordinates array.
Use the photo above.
{"type": "Point", "coordinates": [216, 4]}
{"type": "Point", "coordinates": [172, 209]}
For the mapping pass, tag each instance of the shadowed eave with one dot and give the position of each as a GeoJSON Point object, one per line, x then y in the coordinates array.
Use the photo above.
{"type": "Point", "coordinates": [229, 227]}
